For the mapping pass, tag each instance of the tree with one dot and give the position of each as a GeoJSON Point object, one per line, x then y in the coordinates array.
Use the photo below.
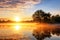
{"type": "Point", "coordinates": [47, 17]}
{"type": "Point", "coordinates": [56, 19]}
{"type": "Point", "coordinates": [41, 16]}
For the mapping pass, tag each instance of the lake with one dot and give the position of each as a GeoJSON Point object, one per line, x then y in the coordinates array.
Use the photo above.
{"type": "Point", "coordinates": [29, 31]}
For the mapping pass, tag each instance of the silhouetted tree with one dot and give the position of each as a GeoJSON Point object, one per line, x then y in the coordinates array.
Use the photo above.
{"type": "Point", "coordinates": [55, 19]}
{"type": "Point", "coordinates": [41, 16]}
{"type": "Point", "coordinates": [37, 15]}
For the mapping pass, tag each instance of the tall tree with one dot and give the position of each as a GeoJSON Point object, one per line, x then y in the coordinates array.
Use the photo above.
{"type": "Point", "coordinates": [41, 16]}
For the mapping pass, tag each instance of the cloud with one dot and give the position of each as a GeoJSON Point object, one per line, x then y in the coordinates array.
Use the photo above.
{"type": "Point", "coordinates": [18, 3]}
{"type": "Point", "coordinates": [11, 8]}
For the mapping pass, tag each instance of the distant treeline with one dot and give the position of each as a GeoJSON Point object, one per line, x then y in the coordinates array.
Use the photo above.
{"type": "Point", "coordinates": [8, 21]}
{"type": "Point", "coordinates": [41, 16]}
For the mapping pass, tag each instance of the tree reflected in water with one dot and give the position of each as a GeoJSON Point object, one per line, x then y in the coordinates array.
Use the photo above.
{"type": "Point", "coordinates": [42, 32]}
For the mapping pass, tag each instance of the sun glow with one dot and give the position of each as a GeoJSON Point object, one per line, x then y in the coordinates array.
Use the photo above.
{"type": "Point", "coordinates": [17, 19]}
{"type": "Point", "coordinates": [17, 27]}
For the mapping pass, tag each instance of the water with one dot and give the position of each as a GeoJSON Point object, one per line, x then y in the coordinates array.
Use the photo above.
{"type": "Point", "coordinates": [29, 31]}
{"type": "Point", "coordinates": [47, 32]}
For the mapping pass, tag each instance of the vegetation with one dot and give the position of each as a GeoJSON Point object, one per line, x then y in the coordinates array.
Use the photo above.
{"type": "Point", "coordinates": [41, 16]}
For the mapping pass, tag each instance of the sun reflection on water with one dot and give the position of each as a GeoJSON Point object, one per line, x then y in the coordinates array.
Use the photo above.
{"type": "Point", "coordinates": [17, 27]}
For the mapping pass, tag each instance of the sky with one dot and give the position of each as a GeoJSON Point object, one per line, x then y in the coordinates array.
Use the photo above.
{"type": "Point", "coordinates": [26, 8]}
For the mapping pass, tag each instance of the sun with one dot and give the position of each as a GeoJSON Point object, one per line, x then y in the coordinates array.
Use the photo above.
{"type": "Point", "coordinates": [17, 19]}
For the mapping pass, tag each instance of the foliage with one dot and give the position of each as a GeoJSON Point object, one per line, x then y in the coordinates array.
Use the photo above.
{"type": "Point", "coordinates": [41, 16]}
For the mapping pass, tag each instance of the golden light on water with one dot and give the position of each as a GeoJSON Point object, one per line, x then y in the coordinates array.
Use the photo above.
{"type": "Point", "coordinates": [17, 27]}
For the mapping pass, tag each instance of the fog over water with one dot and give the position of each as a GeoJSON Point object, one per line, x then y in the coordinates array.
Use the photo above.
{"type": "Point", "coordinates": [25, 31]}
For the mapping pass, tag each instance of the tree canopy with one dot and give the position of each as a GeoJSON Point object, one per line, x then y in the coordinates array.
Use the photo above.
{"type": "Point", "coordinates": [41, 16]}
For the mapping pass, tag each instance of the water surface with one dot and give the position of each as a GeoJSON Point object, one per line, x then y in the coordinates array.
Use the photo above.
{"type": "Point", "coordinates": [25, 31]}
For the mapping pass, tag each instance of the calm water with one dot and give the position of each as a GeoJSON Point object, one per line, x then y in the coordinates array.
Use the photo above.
{"type": "Point", "coordinates": [29, 31]}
